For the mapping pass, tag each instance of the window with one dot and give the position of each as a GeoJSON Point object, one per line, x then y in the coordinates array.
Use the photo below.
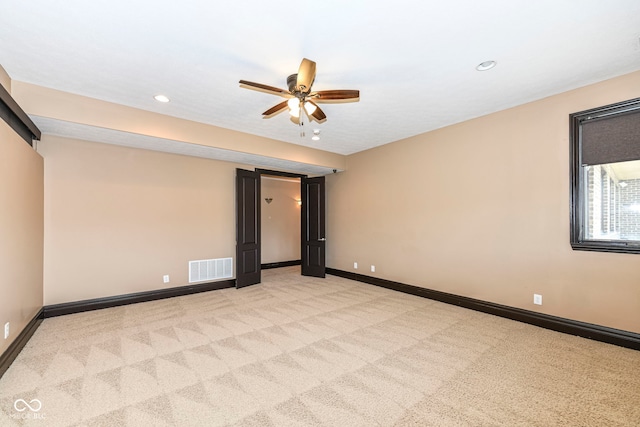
{"type": "Point", "coordinates": [605, 178]}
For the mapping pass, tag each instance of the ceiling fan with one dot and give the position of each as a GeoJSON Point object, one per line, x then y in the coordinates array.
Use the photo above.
{"type": "Point", "coordinates": [299, 95]}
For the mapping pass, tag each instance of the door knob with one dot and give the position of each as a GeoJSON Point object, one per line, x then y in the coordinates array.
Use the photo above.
{"type": "Point", "coordinates": [324, 239]}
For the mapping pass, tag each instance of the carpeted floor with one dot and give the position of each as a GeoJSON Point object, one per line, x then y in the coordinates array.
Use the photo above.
{"type": "Point", "coordinates": [299, 351]}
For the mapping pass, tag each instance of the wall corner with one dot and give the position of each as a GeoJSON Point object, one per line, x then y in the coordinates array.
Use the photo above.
{"type": "Point", "coordinates": [5, 80]}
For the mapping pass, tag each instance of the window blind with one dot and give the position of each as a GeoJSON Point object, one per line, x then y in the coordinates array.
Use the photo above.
{"type": "Point", "coordinates": [611, 139]}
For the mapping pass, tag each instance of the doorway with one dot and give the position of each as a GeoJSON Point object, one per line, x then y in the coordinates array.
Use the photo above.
{"type": "Point", "coordinates": [248, 225]}
{"type": "Point", "coordinates": [281, 201]}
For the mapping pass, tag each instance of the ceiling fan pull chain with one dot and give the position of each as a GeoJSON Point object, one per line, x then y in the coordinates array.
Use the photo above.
{"type": "Point", "coordinates": [301, 127]}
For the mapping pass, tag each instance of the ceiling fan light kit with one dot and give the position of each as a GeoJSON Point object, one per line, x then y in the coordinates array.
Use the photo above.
{"type": "Point", "coordinates": [300, 97]}
{"type": "Point", "coordinates": [294, 107]}
{"type": "Point", "coordinates": [293, 104]}
{"type": "Point", "coordinates": [310, 107]}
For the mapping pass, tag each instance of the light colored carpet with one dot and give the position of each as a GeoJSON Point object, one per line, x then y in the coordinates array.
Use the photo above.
{"type": "Point", "coordinates": [299, 351]}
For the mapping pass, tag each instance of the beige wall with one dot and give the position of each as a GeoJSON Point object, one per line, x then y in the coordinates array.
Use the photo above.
{"type": "Point", "coordinates": [21, 231]}
{"type": "Point", "coordinates": [5, 80]}
{"type": "Point", "coordinates": [280, 226]}
{"type": "Point", "coordinates": [481, 209]}
{"type": "Point", "coordinates": [117, 219]}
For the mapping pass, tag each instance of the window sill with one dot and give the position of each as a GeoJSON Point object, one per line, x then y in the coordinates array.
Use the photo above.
{"type": "Point", "coordinates": [607, 246]}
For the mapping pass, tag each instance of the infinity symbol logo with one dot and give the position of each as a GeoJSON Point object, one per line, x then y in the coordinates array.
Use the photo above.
{"type": "Point", "coordinates": [21, 405]}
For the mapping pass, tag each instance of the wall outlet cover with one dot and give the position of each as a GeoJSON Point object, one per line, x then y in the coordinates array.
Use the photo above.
{"type": "Point", "coordinates": [537, 299]}
{"type": "Point", "coordinates": [6, 330]}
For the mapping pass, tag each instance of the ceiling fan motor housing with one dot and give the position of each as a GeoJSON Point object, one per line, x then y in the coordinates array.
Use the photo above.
{"type": "Point", "coordinates": [291, 82]}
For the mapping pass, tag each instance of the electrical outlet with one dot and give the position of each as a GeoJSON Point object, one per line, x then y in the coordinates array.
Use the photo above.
{"type": "Point", "coordinates": [373, 268]}
{"type": "Point", "coordinates": [355, 265]}
{"type": "Point", "coordinates": [537, 299]}
{"type": "Point", "coordinates": [6, 330]}
{"type": "Point", "coordinates": [165, 278]}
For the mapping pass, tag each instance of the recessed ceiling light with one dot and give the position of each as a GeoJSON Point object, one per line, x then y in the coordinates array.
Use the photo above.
{"type": "Point", "coordinates": [161, 98]}
{"type": "Point", "coordinates": [486, 65]}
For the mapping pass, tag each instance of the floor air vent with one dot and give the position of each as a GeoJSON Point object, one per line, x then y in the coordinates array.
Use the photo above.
{"type": "Point", "coordinates": [210, 269]}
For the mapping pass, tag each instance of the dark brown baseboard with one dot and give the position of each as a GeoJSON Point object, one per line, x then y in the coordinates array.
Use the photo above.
{"type": "Point", "coordinates": [573, 327]}
{"type": "Point", "coordinates": [10, 354]}
{"type": "Point", "coordinates": [280, 264]}
{"type": "Point", "coordinates": [115, 301]}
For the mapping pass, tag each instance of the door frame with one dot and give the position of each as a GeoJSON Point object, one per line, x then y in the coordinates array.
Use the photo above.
{"type": "Point", "coordinates": [278, 173]}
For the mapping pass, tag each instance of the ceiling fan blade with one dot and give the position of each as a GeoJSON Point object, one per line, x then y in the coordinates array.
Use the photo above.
{"type": "Point", "coordinates": [335, 95]}
{"type": "Point", "coordinates": [275, 109]}
{"type": "Point", "coordinates": [318, 114]}
{"type": "Point", "coordinates": [264, 88]}
{"type": "Point", "coordinates": [306, 75]}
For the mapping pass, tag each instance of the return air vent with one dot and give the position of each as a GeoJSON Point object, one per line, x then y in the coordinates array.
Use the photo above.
{"type": "Point", "coordinates": [210, 269]}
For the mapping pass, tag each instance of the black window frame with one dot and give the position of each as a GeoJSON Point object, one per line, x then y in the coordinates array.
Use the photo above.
{"type": "Point", "coordinates": [577, 179]}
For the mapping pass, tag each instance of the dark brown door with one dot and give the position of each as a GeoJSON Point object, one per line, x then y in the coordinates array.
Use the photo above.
{"type": "Point", "coordinates": [247, 228]}
{"type": "Point", "coordinates": [313, 227]}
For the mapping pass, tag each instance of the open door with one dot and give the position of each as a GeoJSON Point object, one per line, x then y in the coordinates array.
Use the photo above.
{"type": "Point", "coordinates": [313, 227]}
{"type": "Point", "coordinates": [247, 228]}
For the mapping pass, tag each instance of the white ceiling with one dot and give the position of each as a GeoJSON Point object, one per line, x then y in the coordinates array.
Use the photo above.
{"type": "Point", "coordinates": [413, 61]}
{"type": "Point", "coordinates": [626, 170]}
